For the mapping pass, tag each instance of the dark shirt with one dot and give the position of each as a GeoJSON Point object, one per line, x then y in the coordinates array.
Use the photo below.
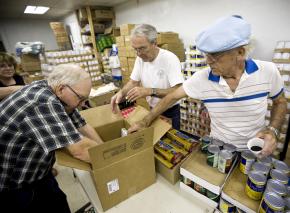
{"type": "Point", "coordinates": [18, 79]}
{"type": "Point", "coordinates": [33, 125]}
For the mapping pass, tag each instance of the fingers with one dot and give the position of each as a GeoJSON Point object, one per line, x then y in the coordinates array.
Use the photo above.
{"type": "Point", "coordinates": [133, 94]}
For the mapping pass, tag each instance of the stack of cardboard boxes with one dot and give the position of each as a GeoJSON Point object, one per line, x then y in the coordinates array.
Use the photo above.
{"type": "Point", "coordinates": [127, 54]}
{"type": "Point", "coordinates": [61, 35]}
{"type": "Point", "coordinates": [30, 65]}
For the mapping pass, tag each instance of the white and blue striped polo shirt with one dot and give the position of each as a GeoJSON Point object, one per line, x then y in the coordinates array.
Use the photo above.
{"type": "Point", "coordinates": [237, 116]}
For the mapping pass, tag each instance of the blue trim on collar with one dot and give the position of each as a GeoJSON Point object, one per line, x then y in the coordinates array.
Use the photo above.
{"type": "Point", "coordinates": [213, 77]}
{"type": "Point", "coordinates": [250, 66]}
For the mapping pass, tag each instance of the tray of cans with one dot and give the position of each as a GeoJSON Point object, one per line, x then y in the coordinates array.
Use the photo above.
{"type": "Point", "coordinates": [207, 170]}
{"type": "Point", "coordinates": [258, 185]}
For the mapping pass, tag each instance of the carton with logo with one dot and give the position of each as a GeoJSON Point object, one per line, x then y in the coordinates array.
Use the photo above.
{"type": "Point", "coordinates": [122, 166]}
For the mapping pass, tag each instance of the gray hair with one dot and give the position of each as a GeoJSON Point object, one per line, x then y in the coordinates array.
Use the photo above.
{"type": "Point", "coordinates": [66, 74]}
{"type": "Point", "coordinates": [146, 30]}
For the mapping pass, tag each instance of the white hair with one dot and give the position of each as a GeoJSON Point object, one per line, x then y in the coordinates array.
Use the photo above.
{"type": "Point", "coordinates": [66, 74]}
{"type": "Point", "coordinates": [146, 30]}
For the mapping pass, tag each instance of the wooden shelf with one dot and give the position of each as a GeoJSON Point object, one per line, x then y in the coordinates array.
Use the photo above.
{"type": "Point", "coordinates": [69, 56]}
{"type": "Point", "coordinates": [281, 61]}
{"type": "Point", "coordinates": [282, 50]}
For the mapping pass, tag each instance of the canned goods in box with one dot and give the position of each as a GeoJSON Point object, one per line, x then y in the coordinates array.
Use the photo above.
{"type": "Point", "coordinates": [276, 187]}
{"type": "Point", "coordinates": [247, 159]}
{"type": "Point", "coordinates": [260, 167]}
{"type": "Point", "coordinates": [212, 155]}
{"type": "Point", "coordinates": [226, 207]}
{"type": "Point", "coordinates": [187, 181]}
{"type": "Point", "coordinates": [255, 185]}
{"type": "Point", "coordinates": [225, 161]}
{"type": "Point", "coordinates": [279, 176]}
{"type": "Point", "coordinates": [205, 141]}
{"type": "Point", "coordinates": [199, 188]}
{"type": "Point", "coordinates": [266, 160]}
{"type": "Point", "coordinates": [272, 202]}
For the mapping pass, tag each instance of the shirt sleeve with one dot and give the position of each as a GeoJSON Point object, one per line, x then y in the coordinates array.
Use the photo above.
{"type": "Point", "coordinates": [174, 71]}
{"type": "Point", "coordinates": [50, 126]}
{"type": "Point", "coordinates": [136, 73]}
{"type": "Point", "coordinates": [77, 119]}
{"type": "Point", "coordinates": [192, 86]}
{"type": "Point", "coordinates": [276, 84]}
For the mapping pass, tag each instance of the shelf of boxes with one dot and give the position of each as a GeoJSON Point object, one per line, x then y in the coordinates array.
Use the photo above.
{"type": "Point", "coordinates": [281, 58]}
{"type": "Point", "coordinates": [83, 58]}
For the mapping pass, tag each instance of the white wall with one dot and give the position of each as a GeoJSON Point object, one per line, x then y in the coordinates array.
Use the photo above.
{"type": "Point", "coordinates": [270, 19]}
{"type": "Point", "coordinates": [15, 30]}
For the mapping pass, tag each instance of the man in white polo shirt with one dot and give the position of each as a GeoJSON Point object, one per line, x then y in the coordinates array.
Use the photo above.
{"type": "Point", "coordinates": [235, 90]}
{"type": "Point", "coordinates": [156, 73]}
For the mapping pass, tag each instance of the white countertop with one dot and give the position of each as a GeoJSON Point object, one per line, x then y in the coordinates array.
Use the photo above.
{"type": "Point", "coordinates": [161, 197]}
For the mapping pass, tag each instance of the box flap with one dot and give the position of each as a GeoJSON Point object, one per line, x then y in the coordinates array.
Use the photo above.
{"type": "Point", "coordinates": [64, 158]}
{"type": "Point", "coordinates": [120, 148]}
{"type": "Point", "coordinates": [160, 126]}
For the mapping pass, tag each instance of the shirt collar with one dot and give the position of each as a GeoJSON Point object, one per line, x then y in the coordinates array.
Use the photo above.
{"type": "Point", "coordinates": [250, 67]}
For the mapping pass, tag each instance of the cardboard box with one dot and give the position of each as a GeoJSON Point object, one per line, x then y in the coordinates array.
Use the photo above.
{"type": "Point", "coordinates": [99, 28]}
{"type": "Point", "coordinates": [114, 31]}
{"type": "Point", "coordinates": [30, 63]}
{"type": "Point", "coordinates": [122, 166]}
{"type": "Point", "coordinates": [130, 52]}
{"type": "Point", "coordinates": [104, 14]}
{"type": "Point", "coordinates": [126, 29]}
{"type": "Point", "coordinates": [102, 99]}
{"type": "Point", "coordinates": [120, 41]}
{"type": "Point", "coordinates": [122, 52]}
{"type": "Point", "coordinates": [167, 37]}
{"type": "Point", "coordinates": [123, 61]}
{"type": "Point", "coordinates": [127, 40]}
{"type": "Point", "coordinates": [82, 14]}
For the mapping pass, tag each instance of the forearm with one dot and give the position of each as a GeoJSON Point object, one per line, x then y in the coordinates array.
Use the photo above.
{"type": "Point", "coordinates": [5, 91]}
{"type": "Point", "coordinates": [131, 84]}
{"type": "Point", "coordinates": [278, 112]}
{"type": "Point", "coordinates": [160, 93]}
{"type": "Point", "coordinates": [89, 132]}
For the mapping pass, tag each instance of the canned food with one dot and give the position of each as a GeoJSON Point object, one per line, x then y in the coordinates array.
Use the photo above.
{"type": "Point", "coordinates": [279, 176]}
{"type": "Point", "coordinates": [199, 188]}
{"type": "Point", "coordinates": [255, 185]}
{"type": "Point", "coordinates": [212, 155]}
{"type": "Point", "coordinates": [205, 141]}
{"type": "Point", "coordinates": [212, 196]}
{"type": "Point", "coordinates": [168, 152]}
{"type": "Point", "coordinates": [187, 181]}
{"type": "Point", "coordinates": [288, 191]}
{"type": "Point", "coordinates": [272, 202]}
{"type": "Point", "coordinates": [225, 161]}
{"type": "Point", "coordinates": [230, 147]}
{"type": "Point", "coordinates": [260, 167]}
{"type": "Point", "coordinates": [247, 159]}
{"type": "Point", "coordinates": [287, 203]}
{"type": "Point", "coordinates": [282, 166]}
{"type": "Point", "coordinates": [226, 207]}
{"type": "Point", "coordinates": [266, 160]}
{"type": "Point", "coordinates": [218, 142]}
{"type": "Point", "coordinates": [277, 187]}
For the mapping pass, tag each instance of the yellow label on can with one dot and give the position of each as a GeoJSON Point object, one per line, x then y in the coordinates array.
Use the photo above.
{"type": "Point", "coordinates": [254, 190]}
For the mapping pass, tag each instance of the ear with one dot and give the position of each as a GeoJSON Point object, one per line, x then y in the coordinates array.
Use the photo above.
{"type": "Point", "coordinates": [241, 54]}
{"type": "Point", "coordinates": [59, 90]}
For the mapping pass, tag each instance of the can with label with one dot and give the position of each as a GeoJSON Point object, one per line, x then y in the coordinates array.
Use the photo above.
{"type": "Point", "coordinates": [255, 186]}
{"type": "Point", "coordinates": [279, 176]}
{"type": "Point", "coordinates": [187, 181]}
{"type": "Point", "coordinates": [288, 191]}
{"type": "Point", "coordinates": [247, 159]}
{"type": "Point", "coordinates": [199, 188]}
{"type": "Point", "coordinates": [226, 207]}
{"type": "Point", "coordinates": [282, 166]}
{"type": "Point", "coordinates": [205, 141]}
{"type": "Point", "coordinates": [230, 147]}
{"type": "Point", "coordinates": [218, 142]}
{"type": "Point", "coordinates": [276, 187]}
{"type": "Point", "coordinates": [272, 202]}
{"type": "Point", "coordinates": [266, 160]}
{"type": "Point", "coordinates": [225, 161]}
{"type": "Point", "coordinates": [212, 155]}
{"type": "Point", "coordinates": [260, 167]}
{"type": "Point", "coordinates": [212, 196]}
{"type": "Point", "coordinates": [287, 203]}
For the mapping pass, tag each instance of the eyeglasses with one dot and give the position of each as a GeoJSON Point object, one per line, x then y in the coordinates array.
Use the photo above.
{"type": "Point", "coordinates": [141, 49]}
{"type": "Point", "coordinates": [81, 98]}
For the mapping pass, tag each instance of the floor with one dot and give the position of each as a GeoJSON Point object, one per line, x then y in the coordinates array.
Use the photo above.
{"type": "Point", "coordinates": [70, 185]}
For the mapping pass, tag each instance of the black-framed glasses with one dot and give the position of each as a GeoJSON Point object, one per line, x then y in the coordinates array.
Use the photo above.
{"type": "Point", "coordinates": [81, 98]}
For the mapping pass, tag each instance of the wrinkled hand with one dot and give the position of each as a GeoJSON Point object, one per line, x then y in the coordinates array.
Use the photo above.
{"type": "Point", "coordinates": [138, 92]}
{"type": "Point", "coordinates": [115, 100]}
{"type": "Point", "coordinates": [137, 126]}
{"type": "Point", "coordinates": [270, 142]}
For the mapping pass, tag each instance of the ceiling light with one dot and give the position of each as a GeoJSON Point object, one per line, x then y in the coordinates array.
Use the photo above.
{"type": "Point", "coordinates": [36, 9]}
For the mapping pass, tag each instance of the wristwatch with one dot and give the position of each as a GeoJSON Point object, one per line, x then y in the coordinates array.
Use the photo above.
{"type": "Point", "coordinates": [154, 92]}
{"type": "Point", "coordinates": [274, 130]}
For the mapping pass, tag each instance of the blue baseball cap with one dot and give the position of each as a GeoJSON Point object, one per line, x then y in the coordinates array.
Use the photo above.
{"type": "Point", "coordinates": [225, 34]}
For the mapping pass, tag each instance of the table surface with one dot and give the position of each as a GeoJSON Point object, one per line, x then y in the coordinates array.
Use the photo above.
{"type": "Point", "coordinates": [161, 197]}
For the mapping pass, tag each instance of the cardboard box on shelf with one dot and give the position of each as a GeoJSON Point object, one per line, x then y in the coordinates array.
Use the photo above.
{"type": "Point", "coordinates": [103, 14]}
{"type": "Point", "coordinates": [57, 26]}
{"type": "Point", "coordinates": [114, 31]}
{"type": "Point", "coordinates": [130, 52]}
{"type": "Point", "coordinates": [30, 63]}
{"type": "Point", "coordinates": [167, 37]}
{"type": "Point", "coordinates": [123, 61]}
{"type": "Point", "coordinates": [127, 40]}
{"type": "Point", "coordinates": [131, 62]}
{"type": "Point", "coordinates": [102, 99]}
{"type": "Point", "coordinates": [61, 39]}
{"type": "Point", "coordinates": [126, 29]}
{"type": "Point", "coordinates": [122, 52]}
{"type": "Point", "coordinates": [120, 41]}
{"type": "Point", "coordinates": [99, 28]}
{"type": "Point", "coordinates": [122, 166]}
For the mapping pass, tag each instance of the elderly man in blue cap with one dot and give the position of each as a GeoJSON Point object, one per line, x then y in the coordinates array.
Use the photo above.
{"type": "Point", "coordinates": [235, 90]}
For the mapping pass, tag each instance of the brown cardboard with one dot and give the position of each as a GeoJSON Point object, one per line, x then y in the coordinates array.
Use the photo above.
{"type": "Point", "coordinates": [30, 62]}
{"type": "Point", "coordinates": [122, 51]}
{"type": "Point", "coordinates": [130, 52]}
{"type": "Point", "coordinates": [127, 40]}
{"type": "Point", "coordinates": [235, 188]}
{"type": "Point", "coordinates": [123, 61]}
{"type": "Point", "coordinates": [82, 14]}
{"type": "Point", "coordinates": [120, 41]}
{"type": "Point", "coordinates": [114, 31]}
{"type": "Point", "coordinates": [129, 160]}
{"type": "Point", "coordinates": [126, 29]}
{"type": "Point", "coordinates": [167, 37]}
{"type": "Point", "coordinates": [104, 14]}
{"type": "Point", "coordinates": [102, 99]}
{"type": "Point", "coordinates": [131, 62]}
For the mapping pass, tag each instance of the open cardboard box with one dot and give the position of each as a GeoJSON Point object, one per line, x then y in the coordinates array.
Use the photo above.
{"type": "Point", "coordinates": [122, 166]}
